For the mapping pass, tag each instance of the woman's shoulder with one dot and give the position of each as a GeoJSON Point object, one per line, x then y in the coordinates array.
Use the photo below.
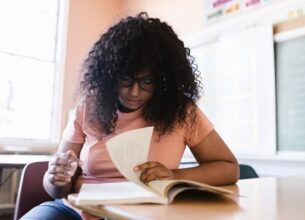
{"type": "Point", "coordinates": [201, 115]}
{"type": "Point", "coordinates": [83, 105]}
{"type": "Point", "coordinates": [197, 119]}
{"type": "Point", "coordinates": [193, 112]}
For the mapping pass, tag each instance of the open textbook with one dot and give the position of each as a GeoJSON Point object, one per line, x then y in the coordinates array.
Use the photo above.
{"type": "Point", "coordinates": [128, 150]}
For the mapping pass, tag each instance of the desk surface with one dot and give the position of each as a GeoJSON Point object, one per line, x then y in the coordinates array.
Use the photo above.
{"type": "Point", "coordinates": [263, 198]}
{"type": "Point", "coordinates": [19, 160]}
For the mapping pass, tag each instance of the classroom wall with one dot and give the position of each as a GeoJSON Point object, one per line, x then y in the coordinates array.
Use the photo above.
{"type": "Point", "coordinates": [185, 16]}
{"type": "Point", "coordinates": [88, 19]}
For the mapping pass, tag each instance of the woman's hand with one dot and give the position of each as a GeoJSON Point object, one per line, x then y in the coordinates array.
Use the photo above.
{"type": "Point", "coordinates": [153, 171]}
{"type": "Point", "coordinates": [62, 167]}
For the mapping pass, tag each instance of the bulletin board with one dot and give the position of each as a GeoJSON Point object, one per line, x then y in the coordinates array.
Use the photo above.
{"type": "Point", "coordinates": [219, 9]}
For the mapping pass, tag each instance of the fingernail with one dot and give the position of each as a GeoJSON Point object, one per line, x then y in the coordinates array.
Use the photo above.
{"type": "Point", "coordinates": [136, 168]}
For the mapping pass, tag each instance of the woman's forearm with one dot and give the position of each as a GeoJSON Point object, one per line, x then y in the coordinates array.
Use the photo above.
{"type": "Point", "coordinates": [213, 173]}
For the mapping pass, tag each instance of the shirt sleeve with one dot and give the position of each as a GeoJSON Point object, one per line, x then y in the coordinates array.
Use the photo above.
{"type": "Point", "coordinates": [74, 130]}
{"type": "Point", "coordinates": [196, 132]}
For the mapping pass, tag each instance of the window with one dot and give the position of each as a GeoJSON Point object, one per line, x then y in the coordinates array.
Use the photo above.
{"type": "Point", "coordinates": [28, 42]}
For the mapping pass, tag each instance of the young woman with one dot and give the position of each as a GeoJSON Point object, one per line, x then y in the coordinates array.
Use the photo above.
{"type": "Point", "coordinates": [137, 74]}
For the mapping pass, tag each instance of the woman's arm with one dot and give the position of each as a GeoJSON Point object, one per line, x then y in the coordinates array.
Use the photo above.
{"type": "Point", "coordinates": [62, 171]}
{"type": "Point", "coordinates": [217, 165]}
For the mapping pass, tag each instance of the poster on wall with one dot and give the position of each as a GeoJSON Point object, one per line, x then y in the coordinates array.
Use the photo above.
{"type": "Point", "coordinates": [217, 9]}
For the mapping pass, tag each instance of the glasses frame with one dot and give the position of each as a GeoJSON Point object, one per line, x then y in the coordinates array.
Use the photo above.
{"type": "Point", "coordinates": [128, 83]}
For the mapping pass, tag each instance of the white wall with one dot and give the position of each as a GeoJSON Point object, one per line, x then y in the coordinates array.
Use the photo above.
{"type": "Point", "coordinates": [263, 154]}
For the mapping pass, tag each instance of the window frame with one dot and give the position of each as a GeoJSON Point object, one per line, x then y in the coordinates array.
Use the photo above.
{"type": "Point", "coordinates": [31, 145]}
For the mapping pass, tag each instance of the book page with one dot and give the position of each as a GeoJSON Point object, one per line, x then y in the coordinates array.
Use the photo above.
{"type": "Point", "coordinates": [116, 193]}
{"type": "Point", "coordinates": [130, 149]}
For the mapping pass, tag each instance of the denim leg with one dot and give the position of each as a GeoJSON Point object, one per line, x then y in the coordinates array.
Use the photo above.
{"type": "Point", "coordinates": [52, 210]}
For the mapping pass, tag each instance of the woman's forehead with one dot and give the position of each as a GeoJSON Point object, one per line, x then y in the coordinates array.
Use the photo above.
{"type": "Point", "coordinates": [138, 74]}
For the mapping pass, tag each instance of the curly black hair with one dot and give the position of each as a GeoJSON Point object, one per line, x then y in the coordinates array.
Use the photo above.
{"type": "Point", "coordinates": [130, 46]}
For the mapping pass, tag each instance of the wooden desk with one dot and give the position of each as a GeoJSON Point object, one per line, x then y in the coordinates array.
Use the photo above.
{"type": "Point", "coordinates": [263, 199]}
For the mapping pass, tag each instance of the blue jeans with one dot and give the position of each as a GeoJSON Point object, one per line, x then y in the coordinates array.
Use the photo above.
{"type": "Point", "coordinates": [52, 210]}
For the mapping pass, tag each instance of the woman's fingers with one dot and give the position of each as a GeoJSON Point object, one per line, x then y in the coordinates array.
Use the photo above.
{"type": "Point", "coordinates": [65, 169]}
{"type": "Point", "coordinates": [153, 171]}
{"type": "Point", "coordinates": [55, 169]}
{"type": "Point", "coordinates": [58, 180]}
{"type": "Point", "coordinates": [159, 175]}
{"type": "Point", "coordinates": [62, 167]}
{"type": "Point", "coordinates": [73, 159]}
{"type": "Point", "coordinates": [71, 155]}
{"type": "Point", "coordinates": [146, 165]}
{"type": "Point", "coordinates": [59, 176]}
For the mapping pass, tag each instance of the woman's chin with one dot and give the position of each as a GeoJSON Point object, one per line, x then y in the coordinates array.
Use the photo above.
{"type": "Point", "coordinates": [129, 108]}
{"type": "Point", "coordinates": [132, 105]}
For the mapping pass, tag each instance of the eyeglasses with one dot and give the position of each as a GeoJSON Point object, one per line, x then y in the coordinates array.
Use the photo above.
{"type": "Point", "coordinates": [145, 83]}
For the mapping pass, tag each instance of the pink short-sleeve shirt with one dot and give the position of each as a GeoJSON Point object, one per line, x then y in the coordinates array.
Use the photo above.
{"type": "Point", "coordinates": [167, 149]}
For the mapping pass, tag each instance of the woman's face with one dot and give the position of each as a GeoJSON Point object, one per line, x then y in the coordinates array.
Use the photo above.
{"type": "Point", "coordinates": [135, 92]}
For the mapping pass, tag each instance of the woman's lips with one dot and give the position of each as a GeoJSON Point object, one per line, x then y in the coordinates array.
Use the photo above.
{"type": "Point", "coordinates": [133, 102]}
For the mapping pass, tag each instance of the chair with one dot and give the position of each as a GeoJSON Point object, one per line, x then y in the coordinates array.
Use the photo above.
{"type": "Point", "coordinates": [247, 172]}
{"type": "Point", "coordinates": [31, 192]}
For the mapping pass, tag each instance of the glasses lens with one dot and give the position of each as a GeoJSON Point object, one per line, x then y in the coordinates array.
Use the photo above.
{"type": "Point", "coordinates": [147, 84]}
{"type": "Point", "coordinates": [126, 81]}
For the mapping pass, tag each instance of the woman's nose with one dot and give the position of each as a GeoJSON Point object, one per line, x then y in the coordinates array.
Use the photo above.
{"type": "Point", "coordinates": [135, 89]}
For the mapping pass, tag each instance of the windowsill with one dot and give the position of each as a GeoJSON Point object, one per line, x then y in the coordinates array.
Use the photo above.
{"type": "Point", "coordinates": [19, 149]}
